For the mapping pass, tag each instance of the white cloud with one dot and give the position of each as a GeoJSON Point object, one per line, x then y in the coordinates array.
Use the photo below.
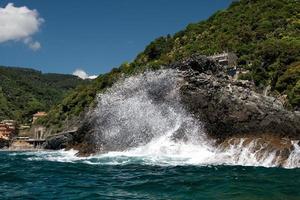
{"type": "Point", "coordinates": [19, 24]}
{"type": "Point", "coordinates": [83, 75]}
{"type": "Point", "coordinates": [34, 45]}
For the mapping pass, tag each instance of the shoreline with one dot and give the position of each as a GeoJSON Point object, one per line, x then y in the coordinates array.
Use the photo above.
{"type": "Point", "coordinates": [22, 150]}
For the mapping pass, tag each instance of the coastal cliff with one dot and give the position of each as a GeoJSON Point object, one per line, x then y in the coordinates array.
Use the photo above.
{"type": "Point", "coordinates": [232, 107]}
{"type": "Point", "coordinates": [224, 108]}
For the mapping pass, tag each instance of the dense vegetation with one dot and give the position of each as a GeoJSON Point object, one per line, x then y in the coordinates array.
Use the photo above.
{"type": "Point", "coordinates": [26, 91]}
{"type": "Point", "coordinates": [265, 35]}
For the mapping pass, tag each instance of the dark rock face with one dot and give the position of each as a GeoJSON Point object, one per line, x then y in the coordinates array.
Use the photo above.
{"type": "Point", "coordinates": [79, 139]}
{"type": "Point", "coordinates": [4, 143]}
{"type": "Point", "coordinates": [230, 107]}
{"type": "Point", "coordinates": [58, 141]}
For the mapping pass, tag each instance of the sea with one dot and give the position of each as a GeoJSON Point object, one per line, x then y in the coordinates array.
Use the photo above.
{"type": "Point", "coordinates": [63, 175]}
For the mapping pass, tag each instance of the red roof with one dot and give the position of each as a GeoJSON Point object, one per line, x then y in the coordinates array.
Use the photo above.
{"type": "Point", "coordinates": [40, 114]}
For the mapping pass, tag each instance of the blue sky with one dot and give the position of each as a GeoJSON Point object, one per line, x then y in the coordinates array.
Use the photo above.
{"type": "Point", "coordinates": [96, 35]}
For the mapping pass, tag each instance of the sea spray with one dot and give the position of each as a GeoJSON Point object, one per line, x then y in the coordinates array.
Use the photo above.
{"type": "Point", "coordinates": [142, 108]}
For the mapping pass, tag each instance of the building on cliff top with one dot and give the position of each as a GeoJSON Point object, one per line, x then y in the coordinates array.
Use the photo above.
{"type": "Point", "coordinates": [226, 59]}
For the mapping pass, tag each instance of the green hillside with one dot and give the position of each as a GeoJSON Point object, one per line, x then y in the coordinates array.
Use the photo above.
{"type": "Point", "coordinates": [265, 35]}
{"type": "Point", "coordinates": [26, 91]}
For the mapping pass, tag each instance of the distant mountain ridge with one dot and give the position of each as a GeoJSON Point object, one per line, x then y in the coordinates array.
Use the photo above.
{"type": "Point", "coordinates": [24, 91]}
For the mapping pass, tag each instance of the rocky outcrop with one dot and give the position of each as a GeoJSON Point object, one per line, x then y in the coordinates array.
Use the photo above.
{"type": "Point", "coordinates": [79, 139]}
{"type": "Point", "coordinates": [59, 141]}
{"type": "Point", "coordinates": [228, 108]}
{"type": "Point", "coordinates": [232, 107]}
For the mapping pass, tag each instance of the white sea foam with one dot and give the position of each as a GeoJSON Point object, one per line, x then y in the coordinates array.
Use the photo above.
{"type": "Point", "coordinates": [58, 156]}
{"type": "Point", "coordinates": [294, 157]}
{"type": "Point", "coordinates": [164, 151]}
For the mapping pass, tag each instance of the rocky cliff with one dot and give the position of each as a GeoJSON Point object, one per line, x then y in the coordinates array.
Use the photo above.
{"type": "Point", "coordinates": [232, 107]}
{"type": "Point", "coordinates": [227, 108]}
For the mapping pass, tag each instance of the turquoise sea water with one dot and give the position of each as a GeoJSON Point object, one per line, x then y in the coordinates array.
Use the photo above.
{"type": "Point", "coordinates": [36, 175]}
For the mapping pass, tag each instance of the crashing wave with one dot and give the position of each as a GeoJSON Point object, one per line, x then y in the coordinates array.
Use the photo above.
{"type": "Point", "coordinates": [141, 120]}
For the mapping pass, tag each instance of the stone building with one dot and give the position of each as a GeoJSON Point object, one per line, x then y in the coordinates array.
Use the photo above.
{"type": "Point", "coordinates": [24, 131]}
{"type": "Point", "coordinates": [38, 132]}
{"type": "Point", "coordinates": [12, 124]}
{"type": "Point", "coordinates": [8, 129]}
{"type": "Point", "coordinates": [226, 59]}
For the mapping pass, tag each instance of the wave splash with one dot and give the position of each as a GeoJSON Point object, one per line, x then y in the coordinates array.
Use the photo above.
{"type": "Point", "coordinates": [164, 151]}
{"type": "Point", "coordinates": [143, 108]}
{"type": "Point", "coordinates": [140, 120]}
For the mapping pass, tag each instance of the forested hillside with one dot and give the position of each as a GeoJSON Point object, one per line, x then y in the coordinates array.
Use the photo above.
{"type": "Point", "coordinates": [26, 91]}
{"type": "Point", "coordinates": [265, 35]}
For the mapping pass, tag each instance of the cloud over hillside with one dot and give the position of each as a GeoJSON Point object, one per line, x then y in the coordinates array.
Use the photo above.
{"type": "Point", "coordinates": [83, 75]}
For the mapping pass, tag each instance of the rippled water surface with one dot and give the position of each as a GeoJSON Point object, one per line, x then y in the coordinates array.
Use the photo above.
{"type": "Point", "coordinates": [57, 175]}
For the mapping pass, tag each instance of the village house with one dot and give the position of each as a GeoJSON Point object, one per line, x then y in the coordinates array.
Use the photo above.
{"type": "Point", "coordinates": [23, 136]}
{"type": "Point", "coordinates": [34, 131]}
{"type": "Point", "coordinates": [11, 123]}
{"type": "Point", "coordinates": [24, 131]}
{"type": "Point", "coordinates": [38, 115]}
{"type": "Point", "coordinates": [6, 132]}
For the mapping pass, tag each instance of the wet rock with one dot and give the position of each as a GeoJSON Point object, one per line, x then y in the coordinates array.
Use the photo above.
{"type": "Point", "coordinates": [78, 139]}
{"type": "Point", "coordinates": [4, 143]}
{"type": "Point", "coordinates": [58, 141]}
{"type": "Point", "coordinates": [264, 147]}
{"type": "Point", "coordinates": [229, 107]}
{"type": "Point", "coordinates": [285, 153]}
{"type": "Point", "coordinates": [198, 63]}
